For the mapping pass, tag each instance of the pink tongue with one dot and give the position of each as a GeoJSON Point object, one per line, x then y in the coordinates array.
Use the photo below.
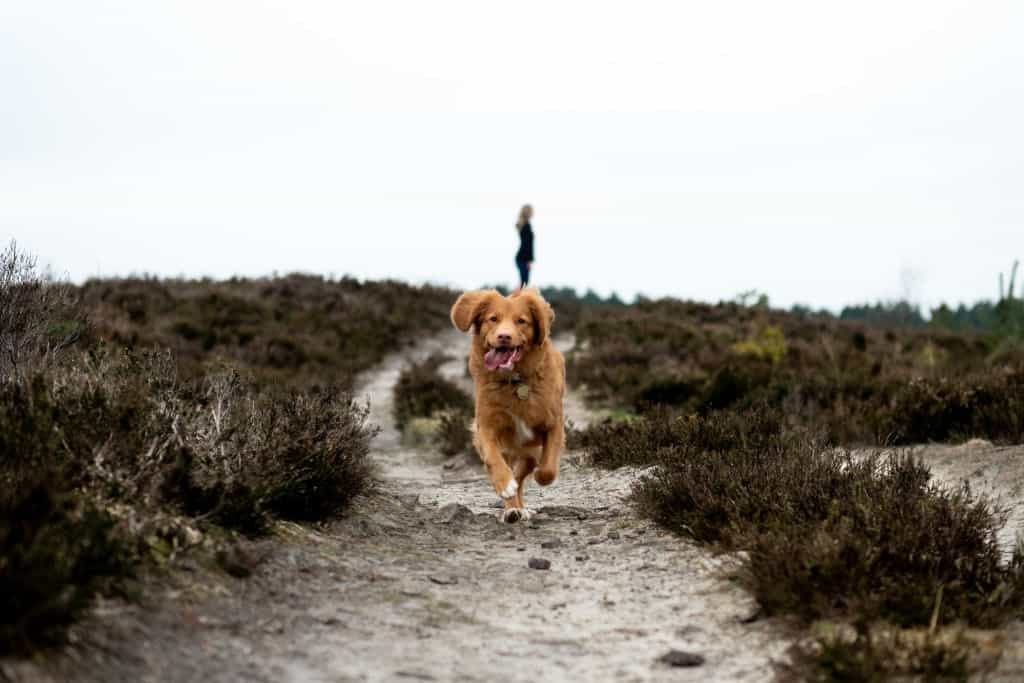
{"type": "Point", "coordinates": [495, 359]}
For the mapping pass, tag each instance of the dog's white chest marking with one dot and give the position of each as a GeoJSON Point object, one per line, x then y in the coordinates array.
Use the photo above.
{"type": "Point", "coordinates": [523, 433]}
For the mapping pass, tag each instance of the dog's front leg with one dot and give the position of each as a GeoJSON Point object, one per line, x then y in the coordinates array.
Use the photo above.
{"type": "Point", "coordinates": [498, 470]}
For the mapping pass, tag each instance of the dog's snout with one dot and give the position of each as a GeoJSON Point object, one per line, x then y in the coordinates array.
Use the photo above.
{"type": "Point", "coordinates": [504, 339]}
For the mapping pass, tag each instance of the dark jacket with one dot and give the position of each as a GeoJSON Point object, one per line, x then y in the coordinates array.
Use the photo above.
{"type": "Point", "coordinates": [525, 252]}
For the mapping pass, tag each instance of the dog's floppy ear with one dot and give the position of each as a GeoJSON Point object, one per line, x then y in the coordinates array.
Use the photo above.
{"type": "Point", "coordinates": [467, 309]}
{"type": "Point", "coordinates": [543, 315]}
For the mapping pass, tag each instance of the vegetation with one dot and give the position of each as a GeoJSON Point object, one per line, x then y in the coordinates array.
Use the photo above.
{"type": "Point", "coordinates": [740, 408]}
{"type": "Point", "coordinates": [134, 414]}
{"type": "Point", "coordinates": [866, 540]}
{"type": "Point", "coordinates": [1003, 318]}
{"type": "Point", "coordinates": [859, 384]}
{"type": "Point", "coordinates": [297, 331]}
{"type": "Point", "coordinates": [422, 392]}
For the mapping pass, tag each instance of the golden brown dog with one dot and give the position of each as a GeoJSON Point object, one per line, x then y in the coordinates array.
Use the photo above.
{"type": "Point", "coordinates": [520, 384]}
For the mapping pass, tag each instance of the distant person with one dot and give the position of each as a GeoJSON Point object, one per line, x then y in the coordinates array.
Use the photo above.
{"type": "Point", "coordinates": [524, 257]}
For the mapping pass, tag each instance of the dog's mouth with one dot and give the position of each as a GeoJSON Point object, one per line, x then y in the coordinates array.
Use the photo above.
{"type": "Point", "coordinates": [503, 357]}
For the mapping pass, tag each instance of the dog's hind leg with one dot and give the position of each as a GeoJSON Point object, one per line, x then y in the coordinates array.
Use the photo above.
{"type": "Point", "coordinates": [551, 452]}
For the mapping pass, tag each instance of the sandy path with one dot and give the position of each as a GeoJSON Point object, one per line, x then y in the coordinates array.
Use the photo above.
{"type": "Point", "coordinates": [438, 589]}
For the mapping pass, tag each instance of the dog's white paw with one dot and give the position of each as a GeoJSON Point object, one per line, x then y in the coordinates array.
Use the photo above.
{"type": "Point", "coordinates": [513, 515]}
{"type": "Point", "coordinates": [510, 489]}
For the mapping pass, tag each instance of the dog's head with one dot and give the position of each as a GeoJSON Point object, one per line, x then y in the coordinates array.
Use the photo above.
{"type": "Point", "coordinates": [506, 328]}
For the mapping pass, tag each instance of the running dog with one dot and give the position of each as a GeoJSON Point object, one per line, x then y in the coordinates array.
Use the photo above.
{"type": "Point", "coordinates": [520, 385]}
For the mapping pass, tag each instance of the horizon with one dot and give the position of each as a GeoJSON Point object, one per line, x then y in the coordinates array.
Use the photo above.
{"type": "Point", "coordinates": [823, 156]}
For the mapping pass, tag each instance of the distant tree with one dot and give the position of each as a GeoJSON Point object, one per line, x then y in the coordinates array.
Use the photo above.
{"type": "Point", "coordinates": [885, 314]}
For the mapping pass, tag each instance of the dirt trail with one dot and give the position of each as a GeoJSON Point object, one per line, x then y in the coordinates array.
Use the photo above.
{"type": "Point", "coordinates": [436, 588]}
{"type": "Point", "coordinates": [422, 582]}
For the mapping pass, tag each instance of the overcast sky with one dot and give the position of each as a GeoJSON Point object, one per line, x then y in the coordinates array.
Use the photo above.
{"type": "Point", "coordinates": [821, 152]}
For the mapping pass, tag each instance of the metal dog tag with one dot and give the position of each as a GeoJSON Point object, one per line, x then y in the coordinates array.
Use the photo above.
{"type": "Point", "coordinates": [523, 391]}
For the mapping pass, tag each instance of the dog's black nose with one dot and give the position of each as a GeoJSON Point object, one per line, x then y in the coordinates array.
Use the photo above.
{"type": "Point", "coordinates": [505, 339]}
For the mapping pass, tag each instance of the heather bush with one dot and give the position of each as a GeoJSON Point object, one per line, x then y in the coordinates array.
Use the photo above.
{"type": "Point", "coordinates": [295, 331]}
{"type": "Point", "coordinates": [831, 535]}
{"type": "Point", "coordinates": [110, 448]}
{"type": "Point", "coordinates": [453, 433]}
{"type": "Point", "coordinates": [858, 384]}
{"type": "Point", "coordinates": [57, 551]}
{"type": "Point", "coordinates": [640, 439]}
{"type": "Point", "coordinates": [989, 405]}
{"type": "Point", "coordinates": [883, 654]}
{"type": "Point", "coordinates": [421, 391]}
{"type": "Point", "coordinates": [39, 316]}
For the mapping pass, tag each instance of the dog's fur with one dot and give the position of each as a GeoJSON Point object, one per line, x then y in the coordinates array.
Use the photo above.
{"type": "Point", "coordinates": [515, 436]}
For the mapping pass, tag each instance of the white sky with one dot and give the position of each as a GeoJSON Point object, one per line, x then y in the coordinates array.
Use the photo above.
{"type": "Point", "coordinates": [821, 152]}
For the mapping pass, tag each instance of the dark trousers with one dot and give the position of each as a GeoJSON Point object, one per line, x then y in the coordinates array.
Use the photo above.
{"type": "Point", "coordinates": [524, 271]}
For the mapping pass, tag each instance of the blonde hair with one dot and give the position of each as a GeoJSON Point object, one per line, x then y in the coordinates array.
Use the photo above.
{"type": "Point", "coordinates": [525, 214]}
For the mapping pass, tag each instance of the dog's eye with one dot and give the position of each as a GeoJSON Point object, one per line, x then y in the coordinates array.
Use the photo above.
{"type": "Point", "coordinates": [494, 318]}
{"type": "Point", "coordinates": [521, 321]}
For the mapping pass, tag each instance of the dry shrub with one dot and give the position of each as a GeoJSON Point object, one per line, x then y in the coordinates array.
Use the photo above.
{"type": "Point", "coordinates": [297, 331]}
{"type": "Point", "coordinates": [421, 391]}
{"type": "Point", "coordinates": [638, 440]}
{"type": "Point", "coordinates": [453, 433]}
{"type": "Point", "coordinates": [39, 316]}
{"type": "Point", "coordinates": [989, 405]}
{"type": "Point", "coordinates": [56, 553]}
{"type": "Point", "coordinates": [829, 534]}
{"type": "Point", "coordinates": [882, 654]}
{"type": "Point", "coordinates": [91, 430]}
{"type": "Point", "coordinates": [858, 384]}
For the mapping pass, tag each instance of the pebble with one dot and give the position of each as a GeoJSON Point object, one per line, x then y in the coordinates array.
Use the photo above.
{"type": "Point", "coordinates": [452, 513]}
{"type": "Point", "coordinates": [443, 580]}
{"type": "Point", "coordinates": [614, 535]}
{"type": "Point", "coordinates": [680, 658]}
{"type": "Point", "coordinates": [754, 614]}
{"type": "Point", "coordinates": [582, 558]}
{"type": "Point", "coordinates": [236, 562]}
{"type": "Point", "coordinates": [553, 543]}
{"type": "Point", "coordinates": [539, 563]}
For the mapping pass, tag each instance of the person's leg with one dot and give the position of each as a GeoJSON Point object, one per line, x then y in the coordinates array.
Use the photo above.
{"type": "Point", "coordinates": [524, 273]}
